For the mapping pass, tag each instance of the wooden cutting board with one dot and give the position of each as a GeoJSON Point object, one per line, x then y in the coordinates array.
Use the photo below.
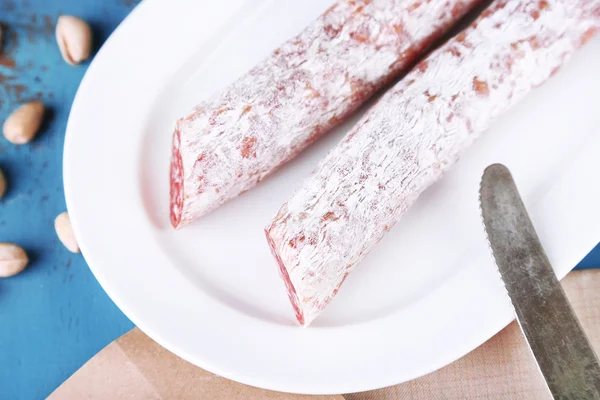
{"type": "Point", "coordinates": [136, 367]}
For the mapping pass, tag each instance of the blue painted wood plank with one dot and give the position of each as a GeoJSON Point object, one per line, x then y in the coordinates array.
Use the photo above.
{"type": "Point", "coordinates": [54, 316]}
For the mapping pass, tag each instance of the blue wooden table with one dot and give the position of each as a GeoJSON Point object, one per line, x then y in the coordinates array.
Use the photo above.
{"type": "Point", "coordinates": [54, 316]}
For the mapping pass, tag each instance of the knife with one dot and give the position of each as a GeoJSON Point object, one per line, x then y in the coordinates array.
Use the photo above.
{"type": "Point", "coordinates": [559, 344]}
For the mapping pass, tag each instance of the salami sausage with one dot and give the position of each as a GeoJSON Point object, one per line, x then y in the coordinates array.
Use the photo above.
{"type": "Point", "coordinates": [307, 86]}
{"type": "Point", "coordinates": [412, 135]}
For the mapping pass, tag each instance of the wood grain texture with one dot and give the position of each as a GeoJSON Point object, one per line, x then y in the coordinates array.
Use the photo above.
{"type": "Point", "coordinates": [135, 367]}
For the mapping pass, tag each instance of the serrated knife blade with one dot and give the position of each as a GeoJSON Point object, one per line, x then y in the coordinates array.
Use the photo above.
{"type": "Point", "coordinates": [559, 344]}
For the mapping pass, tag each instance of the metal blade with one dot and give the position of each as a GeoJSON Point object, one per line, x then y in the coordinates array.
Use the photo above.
{"type": "Point", "coordinates": [559, 344]}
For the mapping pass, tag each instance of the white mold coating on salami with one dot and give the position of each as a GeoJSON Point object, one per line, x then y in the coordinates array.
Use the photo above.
{"type": "Point", "coordinates": [311, 83]}
{"type": "Point", "coordinates": [413, 134]}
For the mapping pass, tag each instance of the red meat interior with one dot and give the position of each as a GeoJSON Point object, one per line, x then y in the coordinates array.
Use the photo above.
{"type": "Point", "coordinates": [176, 175]}
{"type": "Point", "coordinates": [286, 279]}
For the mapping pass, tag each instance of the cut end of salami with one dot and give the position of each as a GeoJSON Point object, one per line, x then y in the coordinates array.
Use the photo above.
{"type": "Point", "coordinates": [291, 291]}
{"type": "Point", "coordinates": [176, 181]}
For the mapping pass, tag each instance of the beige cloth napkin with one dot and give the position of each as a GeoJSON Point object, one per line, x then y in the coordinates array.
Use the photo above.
{"type": "Point", "coordinates": [135, 367]}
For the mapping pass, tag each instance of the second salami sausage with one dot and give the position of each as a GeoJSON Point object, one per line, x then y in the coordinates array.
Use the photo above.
{"type": "Point", "coordinates": [413, 134]}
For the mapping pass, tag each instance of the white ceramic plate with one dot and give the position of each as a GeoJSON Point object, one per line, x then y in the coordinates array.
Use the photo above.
{"type": "Point", "coordinates": [427, 295]}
